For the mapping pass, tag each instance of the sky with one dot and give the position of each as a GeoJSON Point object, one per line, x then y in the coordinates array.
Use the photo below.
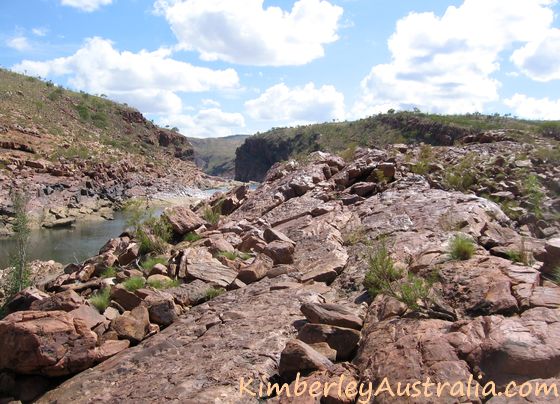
{"type": "Point", "coordinates": [221, 67]}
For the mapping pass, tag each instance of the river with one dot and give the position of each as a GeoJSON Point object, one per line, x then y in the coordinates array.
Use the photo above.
{"type": "Point", "coordinates": [73, 244]}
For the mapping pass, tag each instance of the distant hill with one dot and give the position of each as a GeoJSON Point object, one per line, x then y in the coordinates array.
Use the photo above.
{"type": "Point", "coordinates": [74, 153]}
{"type": "Point", "coordinates": [259, 152]}
{"type": "Point", "coordinates": [216, 156]}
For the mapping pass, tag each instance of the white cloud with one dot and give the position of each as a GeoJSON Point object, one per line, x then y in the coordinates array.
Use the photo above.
{"type": "Point", "coordinates": [297, 105]}
{"type": "Point", "coordinates": [19, 43]}
{"type": "Point", "coordinates": [39, 31]}
{"type": "Point", "coordinates": [86, 5]}
{"type": "Point", "coordinates": [210, 122]}
{"type": "Point", "coordinates": [445, 63]}
{"type": "Point", "coordinates": [147, 80]}
{"type": "Point", "coordinates": [534, 108]}
{"type": "Point", "coordinates": [540, 59]}
{"type": "Point", "coordinates": [244, 32]}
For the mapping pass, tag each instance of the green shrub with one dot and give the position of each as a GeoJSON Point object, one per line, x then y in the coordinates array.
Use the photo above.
{"type": "Point", "coordinates": [521, 256]}
{"type": "Point", "coordinates": [384, 278]}
{"type": "Point", "coordinates": [134, 283]}
{"type": "Point", "coordinates": [18, 277]}
{"type": "Point", "coordinates": [149, 263]}
{"type": "Point", "coordinates": [109, 272]}
{"type": "Point", "coordinates": [192, 237]}
{"type": "Point", "coordinates": [211, 215]}
{"type": "Point", "coordinates": [355, 236]}
{"type": "Point", "coordinates": [214, 292]}
{"type": "Point", "coordinates": [101, 299]}
{"type": "Point", "coordinates": [461, 248]}
{"type": "Point", "coordinates": [463, 175]}
{"type": "Point", "coordinates": [83, 112]}
{"type": "Point", "coordinates": [161, 285]}
{"type": "Point", "coordinates": [381, 273]}
{"type": "Point", "coordinates": [532, 190]}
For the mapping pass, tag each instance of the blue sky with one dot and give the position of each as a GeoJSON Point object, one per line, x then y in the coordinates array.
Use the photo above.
{"type": "Point", "coordinates": [221, 67]}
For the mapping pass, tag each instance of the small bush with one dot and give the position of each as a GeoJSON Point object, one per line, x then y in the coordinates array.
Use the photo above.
{"type": "Point", "coordinates": [101, 299]}
{"type": "Point", "coordinates": [212, 216]}
{"type": "Point", "coordinates": [191, 237]}
{"type": "Point", "coordinates": [355, 236]}
{"type": "Point", "coordinates": [161, 285]}
{"type": "Point", "coordinates": [532, 189]}
{"type": "Point", "coordinates": [463, 175]}
{"type": "Point", "coordinates": [109, 272]}
{"type": "Point", "coordinates": [382, 272]}
{"type": "Point", "coordinates": [521, 256]}
{"type": "Point", "coordinates": [384, 278]}
{"type": "Point", "coordinates": [83, 112]}
{"type": "Point", "coordinates": [213, 292]}
{"type": "Point", "coordinates": [233, 255]}
{"type": "Point", "coordinates": [461, 248]}
{"type": "Point", "coordinates": [149, 263]}
{"type": "Point", "coordinates": [134, 283]}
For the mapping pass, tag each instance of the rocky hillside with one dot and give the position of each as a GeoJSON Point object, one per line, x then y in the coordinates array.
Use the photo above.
{"type": "Point", "coordinates": [75, 154]}
{"type": "Point", "coordinates": [385, 265]}
{"type": "Point", "coordinates": [260, 152]}
{"type": "Point", "coordinates": [216, 156]}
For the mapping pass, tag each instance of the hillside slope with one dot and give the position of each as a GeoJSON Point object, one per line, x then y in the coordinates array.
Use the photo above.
{"type": "Point", "coordinates": [216, 156]}
{"type": "Point", "coordinates": [75, 154]}
{"type": "Point", "coordinates": [260, 152]}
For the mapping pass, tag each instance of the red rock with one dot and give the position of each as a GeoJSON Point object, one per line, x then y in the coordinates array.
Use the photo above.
{"type": "Point", "coordinates": [256, 270]}
{"type": "Point", "coordinates": [331, 314]}
{"type": "Point", "coordinates": [132, 325]}
{"type": "Point", "coordinates": [297, 357]}
{"type": "Point", "coordinates": [182, 220]}
{"type": "Point", "coordinates": [49, 343]}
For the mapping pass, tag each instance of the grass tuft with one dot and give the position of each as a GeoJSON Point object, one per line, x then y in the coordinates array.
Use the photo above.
{"type": "Point", "coordinates": [101, 299]}
{"type": "Point", "coordinates": [134, 283]}
{"type": "Point", "coordinates": [461, 248]}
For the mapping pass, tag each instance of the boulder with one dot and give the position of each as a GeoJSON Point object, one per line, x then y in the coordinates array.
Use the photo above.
{"type": "Point", "coordinates": [211, 272]}
{"type": "Point", "coordinates": [189, 294]}
{"type": "Point", "coordinates": [343, 340]}
{"type": "Point", "coordinates": [130, 254]}
{"type": "Point", "coordinates": [331, 314]}
{"type": "Point", "coordinates": [125, 299]}
{"type": "Point", "coordinates": [25, 299]}
{"type": "Point", "coordinates": [65, 301]}
{"type": "Point", "coordinates": [298, 357]}
{"type": "Point", "coordinates": [51, 343]}
{"type": "Point", "coordinates": [88, 315]}
{"type": "Point", "coordinates": [132, 325]}
{"type": "Point", "coordinates": [256, 270]}
{"type": "Point", "coordinates": [182, 220]}
{"type": "Point", "coordinates": [161, 306]}
{"type": "Point", "coordinates": [281, 252]}
{"type": "Point", "coordinates": [159, 269]}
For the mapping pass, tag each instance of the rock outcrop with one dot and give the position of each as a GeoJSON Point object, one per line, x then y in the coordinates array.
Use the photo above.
{"type": "Point", "coordinates": [273, 292]}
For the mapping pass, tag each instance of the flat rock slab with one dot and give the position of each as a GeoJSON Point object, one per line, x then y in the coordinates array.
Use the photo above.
{"type": "Point", "coordinates": [212, 272]}
{"type": "Point", "coordinates": [200, 358]}
{"type": "Point", "coordinates": [331, 314]}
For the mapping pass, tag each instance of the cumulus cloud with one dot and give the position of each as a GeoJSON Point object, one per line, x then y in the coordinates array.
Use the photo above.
{"type": "Point", "coordinates": [147, 80]}
{"type": "Point", "coordinates": [86, 5]}
{"type": "Point", "coordinates": [19, 43]}
{"type": "Point", "coordinates": [245, 32]}
{"type": "Point", "coordinates": [540, 59]}
{"type": "Point", "coordinates": [534, 108]}
{"type": "Point", "coordinates": [208, 122]}
{"type": "Point", "coordinates": [297, 105]}
{"type": "Point", "coordinates": [445, 63]}
{"type": "Point", "coordinates": [40, 31]}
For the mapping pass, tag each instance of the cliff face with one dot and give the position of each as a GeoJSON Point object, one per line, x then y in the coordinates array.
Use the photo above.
{"type": "Point", "coordinates": [390, 264]}
{"type": "Point", "coordinates": [258, 153]}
